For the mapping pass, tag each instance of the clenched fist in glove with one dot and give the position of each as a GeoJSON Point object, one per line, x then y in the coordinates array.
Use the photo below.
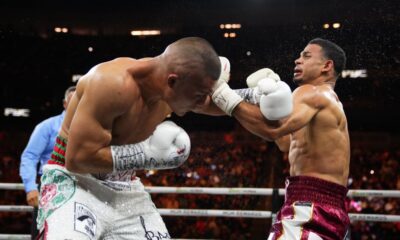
{"type": "Point", "coordinates": [273, 95]}
{"type": "Point", "coordinates": [168, 147]}
{"type": "Point", "coordinates": [223, 96]}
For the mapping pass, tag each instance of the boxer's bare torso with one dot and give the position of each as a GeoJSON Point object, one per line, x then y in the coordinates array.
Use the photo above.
{"type": "Point", "coordinates": [115, 103]}
{"type": "Point", "coordinates": [321, 148]}
{"type": "Point", "coordinates": [134, 117]}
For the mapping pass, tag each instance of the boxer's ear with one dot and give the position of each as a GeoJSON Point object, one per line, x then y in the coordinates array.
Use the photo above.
{"type": "Point", "coordinates": [328, 66]}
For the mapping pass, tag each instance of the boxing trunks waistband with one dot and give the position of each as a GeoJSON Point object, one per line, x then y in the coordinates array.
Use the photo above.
{"type": "Point", "coordinates": [312, 189]}
{"type": "Point", "coordinates": [58, 158]}
{"type": "Point", "coordinates": [58, 154]}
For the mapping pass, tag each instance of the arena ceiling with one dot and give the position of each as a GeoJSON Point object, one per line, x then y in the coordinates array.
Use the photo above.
{"type": "Point", "coordinates": [122, 16]}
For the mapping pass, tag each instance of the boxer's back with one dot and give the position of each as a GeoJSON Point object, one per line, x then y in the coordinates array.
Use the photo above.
{"type": "Point", "coordinates": [321, 148]}
{"type": "Point", "coordinates": [107, 80]}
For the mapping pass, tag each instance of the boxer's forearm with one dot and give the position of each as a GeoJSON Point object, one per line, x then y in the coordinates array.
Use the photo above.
{"type": "Point", "coordinates": [209, 108]}
{"type": "Point", "coordinates": [251, 118]}
{"type": "Point", "coordinates": [211, 111]}
{"type": "Point", "coordinates": [84, 161]}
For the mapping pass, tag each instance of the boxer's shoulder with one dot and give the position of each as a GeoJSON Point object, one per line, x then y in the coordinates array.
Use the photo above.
{"type": "Point", "coordinates": [118, 91]}
{"type": "Point", "coordinates": [316, 96]}
{"type": "Point", "coordinates": [314, 87]}
{"type": "Point", "coordinates": [306, 88]}
{"type": "Point", "coordinates": [117, 68]}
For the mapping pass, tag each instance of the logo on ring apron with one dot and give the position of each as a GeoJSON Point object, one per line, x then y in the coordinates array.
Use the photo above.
{"type": "Point", "coordinates": [57, 188]}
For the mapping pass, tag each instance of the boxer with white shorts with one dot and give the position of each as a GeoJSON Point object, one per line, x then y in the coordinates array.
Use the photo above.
{"type": "Point", "coordinates": [113, 127]}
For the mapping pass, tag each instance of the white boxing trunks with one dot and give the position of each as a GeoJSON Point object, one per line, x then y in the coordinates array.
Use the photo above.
{"type": "Point", "coordinates": [75, 206]}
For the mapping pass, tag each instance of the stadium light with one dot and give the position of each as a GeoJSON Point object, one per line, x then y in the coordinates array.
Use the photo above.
{"type": "Point", "coordinates": [61, 29]}
{"type": "Point", "coordinates": [230, 35]}
{"type": "Point", "coordinates": [145, 32]}
{"type": "Point", "coordinates": [230, 26]}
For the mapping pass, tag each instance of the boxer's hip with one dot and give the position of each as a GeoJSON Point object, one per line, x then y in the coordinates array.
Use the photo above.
{"type": "Point", "coordinates": [316, 190]}
{"type": "Point", "coordinates": [110, 191]}
{"type": "Point", "coordinates": [118, 181]}
{"type": "Point", "coordinates": [60, 186]}
{"type": "Point", "coordinates": [67, 199]}
{"type": "Point", "coordinates": [313, 209]}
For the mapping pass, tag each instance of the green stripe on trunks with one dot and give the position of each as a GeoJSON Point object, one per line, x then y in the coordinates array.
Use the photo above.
{"type": "Point", "coordinates": [58, 155]}
{"type": "Point", "coordinates": [58, 161]}
{"type": "Point", "coordinates": [61, 147]}
{"type": "Point", "coordinates": [64, 140]}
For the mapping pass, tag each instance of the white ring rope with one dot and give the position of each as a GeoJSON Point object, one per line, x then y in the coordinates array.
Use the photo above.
{"type": "Point", "coordinates": [374, 217]}
{"type": "Point", "coordinates": [12, 186]}
{"type": "Point", "coordinates": [214, 191]}
{"type": "Point", "coordinates": [214, 213]}
{"type": "Point", "coordinates": [234, 191]}
{"type": "Point", "coordinates": [28, 237]}
{"type": "Point", "coordinates": [15, 236]}
{"type": "Point", "coordinates": [227, 213]}
{"type": "Point", "coordinates": [15, 208]}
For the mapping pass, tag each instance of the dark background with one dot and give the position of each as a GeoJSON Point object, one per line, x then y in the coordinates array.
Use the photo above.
{"type": "Point", "coordinates": [37, 64]}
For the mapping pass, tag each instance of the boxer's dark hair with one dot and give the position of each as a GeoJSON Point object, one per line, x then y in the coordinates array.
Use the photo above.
{"type": "Point", "coordinates": [191, 54]}
{"type": "Point", "coordinates": [332, 52]}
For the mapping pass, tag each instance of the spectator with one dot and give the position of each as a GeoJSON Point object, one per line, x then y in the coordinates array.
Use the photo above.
{"type": "Point", "coordinates": [38, 150]}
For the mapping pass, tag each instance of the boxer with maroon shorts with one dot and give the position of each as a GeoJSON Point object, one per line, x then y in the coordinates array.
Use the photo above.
{"type": "Point", "coordinates": [311, 126]}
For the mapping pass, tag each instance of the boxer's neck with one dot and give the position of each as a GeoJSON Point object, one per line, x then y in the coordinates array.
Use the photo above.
{"type": "Point", "coordinates": [321, 80]}
{"type": "Point", "coordinates": [150, 76]}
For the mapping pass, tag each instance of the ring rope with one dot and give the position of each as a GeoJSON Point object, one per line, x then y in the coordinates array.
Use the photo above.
{"type": "Point", "coordinates": [28, 237]}
{"type": "Point", "coordinates": [227, 213]}
{"type": "Point", "coordinates": [234, 191]}
{"type": "Point", "coordinates": [15, 236]}
{"type": "Point", "coordinates": [214, 213]}
{"type": "Point", "coordinates": [15, 208]}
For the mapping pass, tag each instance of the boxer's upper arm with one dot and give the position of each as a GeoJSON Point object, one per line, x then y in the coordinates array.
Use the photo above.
{"type": "Point", "coordinates": [90, 131]}
{"type": "Point", "coordinates": [307, 101]}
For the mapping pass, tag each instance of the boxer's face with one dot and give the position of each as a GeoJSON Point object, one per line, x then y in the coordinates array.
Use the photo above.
{"type": "Point", "coordinates": [309, 65]}
{"type": "Point", "coordinates": [189, 94]}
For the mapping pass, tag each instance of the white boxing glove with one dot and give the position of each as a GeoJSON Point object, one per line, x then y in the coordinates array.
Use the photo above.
{"type": "Point", "coordinates": [253, 93]}
{"type": "Point", "coordinates": [223, 96]}
{"type": "Point", "coordinates": [276, 101]}
{"type": "Point", "coordinates": [168, 147]}
{"type": "Point", "coordinates": [253, 79]}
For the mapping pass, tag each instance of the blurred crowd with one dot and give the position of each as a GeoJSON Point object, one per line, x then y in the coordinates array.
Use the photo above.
{"type": "Point", "coordinates": [375, 170]}
{"type": "Point", "coordinates": [230, 159]}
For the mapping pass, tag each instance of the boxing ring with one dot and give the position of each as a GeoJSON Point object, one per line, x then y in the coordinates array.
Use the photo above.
{"type": "Point", "coordinates": [220, 212]}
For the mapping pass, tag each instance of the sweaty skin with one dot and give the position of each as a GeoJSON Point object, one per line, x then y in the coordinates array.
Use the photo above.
{"type": "Point", "coordinates": [321, 147]}
{"type": "Point", "coordinates": [315, 134]}
{"type": "Point", "coordinates": [121, 102]}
